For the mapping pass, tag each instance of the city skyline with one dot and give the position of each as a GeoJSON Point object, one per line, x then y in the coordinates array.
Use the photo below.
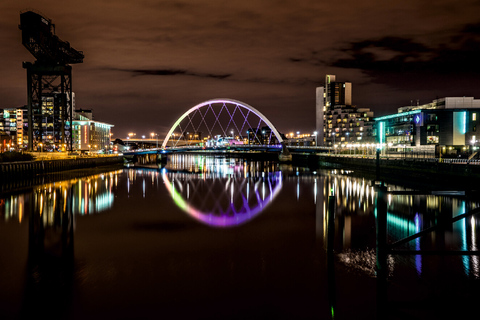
{"type": "Point", "coordinates": [148, 62]}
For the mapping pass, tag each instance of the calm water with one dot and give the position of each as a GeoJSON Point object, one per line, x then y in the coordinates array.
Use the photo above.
{"type": "Point", "coordinates": [217, 238]}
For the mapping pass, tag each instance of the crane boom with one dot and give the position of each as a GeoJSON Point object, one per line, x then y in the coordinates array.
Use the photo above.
{"type": "Point", "coordinates": [38, 36]}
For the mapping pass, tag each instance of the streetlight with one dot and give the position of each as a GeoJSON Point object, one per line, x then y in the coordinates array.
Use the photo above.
{"type": "Point", "coordinates": [152, 134]}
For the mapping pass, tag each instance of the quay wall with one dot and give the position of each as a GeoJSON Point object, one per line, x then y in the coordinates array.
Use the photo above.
{"type": "Point", "coordinates": [417, 171]}
{"type": "Point", "coordinates": [29, 169]}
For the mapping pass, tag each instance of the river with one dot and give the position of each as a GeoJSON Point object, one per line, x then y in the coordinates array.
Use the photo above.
{"type": "Point", "coordinates": [220, 238]}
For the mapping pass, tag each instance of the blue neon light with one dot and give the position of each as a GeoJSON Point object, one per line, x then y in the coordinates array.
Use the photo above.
{"type": "Point", "coordinates": [382, 132]}
{"type": "Point", "coordinates": [397, 115]}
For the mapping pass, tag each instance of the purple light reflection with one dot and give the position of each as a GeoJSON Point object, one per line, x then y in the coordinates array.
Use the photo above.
{"type": "Point", "coordinates": [231, 216]}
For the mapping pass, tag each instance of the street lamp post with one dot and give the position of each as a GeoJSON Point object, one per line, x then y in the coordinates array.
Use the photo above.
{"type": "Point", "coordinates": [152, 134]}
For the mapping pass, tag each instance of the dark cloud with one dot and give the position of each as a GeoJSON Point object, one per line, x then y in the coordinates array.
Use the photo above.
{"type": "Point", "coordinates": [472, 28]}
{"type": "Point", "coordinates": [405, 63]}
{"type": "Point", "coordinates": [174, 72]}
{"type": "Point", "coordinates": [397, 44]}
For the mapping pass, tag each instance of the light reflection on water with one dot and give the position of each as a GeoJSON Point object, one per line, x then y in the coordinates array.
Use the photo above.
{"type": "Point", "coordinates": [235, 193]}
{"type": "Point", "coordinates": [92, 195]}
{"type": "Point", "coordinates": [228, 192]}
{"type": "Point", "coordinates": [223, 192]}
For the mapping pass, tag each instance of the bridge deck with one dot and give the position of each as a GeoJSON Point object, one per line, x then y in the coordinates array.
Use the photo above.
{"type": "Point", "coordinates": [233, 148]}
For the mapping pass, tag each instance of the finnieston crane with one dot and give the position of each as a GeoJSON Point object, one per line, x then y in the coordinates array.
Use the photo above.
{"type": "Point", "coordinates": [49, 76]}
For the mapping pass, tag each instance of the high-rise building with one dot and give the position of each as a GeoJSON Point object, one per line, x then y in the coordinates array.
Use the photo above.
{"type": "Point", "coordinates": [22, 128]}
{"type": "Point", "coordinates": [51, 128]}
{"type": "Point", "coordinates": [338, 122]}
{"type": "Point", "coordinates": [11, 122]}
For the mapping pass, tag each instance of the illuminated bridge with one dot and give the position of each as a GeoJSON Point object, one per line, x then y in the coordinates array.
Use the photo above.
{"type": "Point", "coordinates": [233, 121]}
{"type": "Point", "coordinates": [223, 125]}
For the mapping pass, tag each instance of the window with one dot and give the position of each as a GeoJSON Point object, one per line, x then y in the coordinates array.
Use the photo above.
{"type": "Point", "coordinates": [474, 117]}
{"type": "Point", "coordinates": [432, 139]}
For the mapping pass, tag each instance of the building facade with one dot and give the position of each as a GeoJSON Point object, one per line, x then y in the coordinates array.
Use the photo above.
{"type": "Point", "coordinates": [338, 122]}
{"type": "Point", "coordinates": [448, 124]}
{"type": "Point", "coordinates": [87, 134]}
{"type": "Point", "coordinates": [90, 135]}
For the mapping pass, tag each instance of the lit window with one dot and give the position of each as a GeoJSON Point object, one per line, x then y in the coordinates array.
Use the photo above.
{"type": "Point", "coordinates": [474, 117]}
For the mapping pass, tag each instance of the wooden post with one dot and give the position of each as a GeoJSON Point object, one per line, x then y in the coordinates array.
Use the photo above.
{"type": "Point", "coordinates": [382, 266]}
{"type": "Point", "coordinates": [330, 223]}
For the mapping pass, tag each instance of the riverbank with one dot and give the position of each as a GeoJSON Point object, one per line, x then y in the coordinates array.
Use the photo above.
{"type": "Point", "coordinates": [24, 174]}
{"type": "Point", "coordinates": [415, 172]}
{"type": "Point", "coordinates": [418, 173]}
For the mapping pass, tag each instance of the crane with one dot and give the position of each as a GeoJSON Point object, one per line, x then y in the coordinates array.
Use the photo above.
{"type": "Point", "coordinates": [49, 77]}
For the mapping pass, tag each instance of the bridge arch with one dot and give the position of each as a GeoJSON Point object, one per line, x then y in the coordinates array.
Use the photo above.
{"type": "Point", "coordinates": [232, 108]}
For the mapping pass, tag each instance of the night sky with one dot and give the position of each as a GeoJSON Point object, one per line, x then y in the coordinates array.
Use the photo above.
{"type": "Point", "coordinates": [148, 61]}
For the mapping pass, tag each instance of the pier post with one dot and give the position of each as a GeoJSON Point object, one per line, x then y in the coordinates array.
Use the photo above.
{"type": "Point", "coordinates": [381, 263]}
{"type": "Point", "coordinates": [377, 171]}
{"type": "Point", "coordinates": [330, 255]}
{"type": "Point", "coordinates": [330, 223]}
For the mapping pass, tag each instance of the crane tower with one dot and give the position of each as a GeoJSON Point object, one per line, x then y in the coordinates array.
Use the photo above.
{"type": "Point", "coordinates": [49, 78]}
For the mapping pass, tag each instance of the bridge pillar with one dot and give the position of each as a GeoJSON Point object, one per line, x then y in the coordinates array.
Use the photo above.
{"type": "Point", "coordinates": [285, 155]}
{"type": "Point", "coordinates": [152, 158]}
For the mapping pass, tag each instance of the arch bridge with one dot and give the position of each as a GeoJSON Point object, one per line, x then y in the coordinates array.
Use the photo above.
{"type": "Point", "coordinates": [220, 122]}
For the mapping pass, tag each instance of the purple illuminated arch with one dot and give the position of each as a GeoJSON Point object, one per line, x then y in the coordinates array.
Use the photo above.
{"type": "Point", "coordinates": [223, 102]}
{"type": "Point", "coordinates": [229, 217]}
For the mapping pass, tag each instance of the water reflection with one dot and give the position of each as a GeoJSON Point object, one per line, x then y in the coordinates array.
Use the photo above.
{"type": "Point", "coordinates": [91, 195]}
{"type": "Point", "coordinates": [51, 210]}
{"type": "Point", "coordinates": [221, 192]}
{"type": "Point", "coordinates": [408, 213]}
